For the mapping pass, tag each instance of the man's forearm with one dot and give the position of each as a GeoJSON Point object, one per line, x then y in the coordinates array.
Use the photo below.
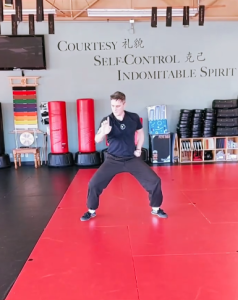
{"type": "Point", "coordinates": [140, 140]}
{"type": "Point", "coordinates": [99, 136]}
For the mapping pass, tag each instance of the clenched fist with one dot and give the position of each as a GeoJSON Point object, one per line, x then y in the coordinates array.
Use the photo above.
{"type": "Point", "coordinates": [137, 153]}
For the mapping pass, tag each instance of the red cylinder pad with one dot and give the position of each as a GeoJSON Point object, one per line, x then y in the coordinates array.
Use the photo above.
{"type": "Point", "coordinates": [58, 127]}
{"type": "Point", "coordinates": [107, 144]}
{"type": "Point", "coordinates": [86, 125]}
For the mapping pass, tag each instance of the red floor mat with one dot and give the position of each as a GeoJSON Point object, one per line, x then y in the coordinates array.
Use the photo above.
{"type": "Point", "coordinates": [190, 277]}
{"type": "Point", "coordinates": [125, 253]}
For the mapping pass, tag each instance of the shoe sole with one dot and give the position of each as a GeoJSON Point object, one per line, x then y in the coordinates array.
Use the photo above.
{"type": "Point", "coordinates": [87, 219]}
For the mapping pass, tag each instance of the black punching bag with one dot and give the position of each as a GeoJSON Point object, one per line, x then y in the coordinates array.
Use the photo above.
{"type": "Point", "coordinates": [4, 158]}
{"type": "Point", "coordinates": [2, 146]}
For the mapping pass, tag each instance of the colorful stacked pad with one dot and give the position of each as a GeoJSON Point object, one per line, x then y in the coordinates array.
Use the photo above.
{"type": "Point", "coordinates": [25, 107]}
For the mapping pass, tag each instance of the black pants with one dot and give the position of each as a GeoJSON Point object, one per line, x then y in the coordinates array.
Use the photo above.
{"type": "Point", "coordinates": [135, 166]}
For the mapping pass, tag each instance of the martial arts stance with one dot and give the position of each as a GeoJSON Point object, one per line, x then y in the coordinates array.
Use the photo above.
{"type": "Point", "coordinates": [123, 156]}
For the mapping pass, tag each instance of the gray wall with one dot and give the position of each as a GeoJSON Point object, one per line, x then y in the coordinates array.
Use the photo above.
{"type": "Point", "coordinates": [73, 74]}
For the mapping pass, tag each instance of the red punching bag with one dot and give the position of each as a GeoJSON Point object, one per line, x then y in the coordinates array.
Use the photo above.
{"type": "Point", "coordinates": [86, 125]}
{"type": "Point", "coordinates": [107, 144]}
{"type": "Point", "coordinates": [58, 127]}
{"type": "Point", "coordinates": [87, 154]}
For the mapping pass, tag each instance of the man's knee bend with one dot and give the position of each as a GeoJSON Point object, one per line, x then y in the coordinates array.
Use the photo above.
{"type": "Point", "coordinates": [158, 181]}
{"type": "Point", "coordinates": [91, 184]}
{"type": "Point", "coordinates": [94, 185]}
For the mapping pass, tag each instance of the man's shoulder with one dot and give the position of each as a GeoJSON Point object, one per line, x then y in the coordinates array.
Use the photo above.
{"type": "Point", "coordinates": [132, 114]}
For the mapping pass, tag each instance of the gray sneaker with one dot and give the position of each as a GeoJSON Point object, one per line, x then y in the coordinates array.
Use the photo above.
{"type": "Point", "coordinates": [160, 213]}
{"type": "Point", "coordinates": [87, 216]}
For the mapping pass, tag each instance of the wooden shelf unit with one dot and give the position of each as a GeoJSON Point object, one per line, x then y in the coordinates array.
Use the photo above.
{"type": "Point", "coordinates": [195, 150]}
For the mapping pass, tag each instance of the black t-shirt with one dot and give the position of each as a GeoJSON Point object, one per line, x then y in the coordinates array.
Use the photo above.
{"type": "Point", "coordinates": [121, 138]}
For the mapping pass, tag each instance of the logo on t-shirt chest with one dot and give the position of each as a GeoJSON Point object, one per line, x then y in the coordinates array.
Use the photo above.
{"type": "Point", "coordinates": [123, 126]}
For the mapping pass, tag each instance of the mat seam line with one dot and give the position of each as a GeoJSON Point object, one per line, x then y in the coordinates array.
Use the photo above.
{"type": "Point", "coordinates": [133, 262]}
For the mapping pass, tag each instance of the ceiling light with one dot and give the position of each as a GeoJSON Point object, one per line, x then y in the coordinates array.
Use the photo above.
{"type": "Point", "coordinates": [8, 12]}
{"type": "Point", "coordinates": [137, 12]}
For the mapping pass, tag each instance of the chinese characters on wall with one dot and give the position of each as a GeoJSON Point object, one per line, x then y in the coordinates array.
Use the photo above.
{"type": "Point", "coordinates": [158, 66]}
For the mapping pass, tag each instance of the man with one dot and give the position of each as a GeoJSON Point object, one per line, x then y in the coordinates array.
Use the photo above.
{"type": "Point", "coordinates": [123, 156]}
